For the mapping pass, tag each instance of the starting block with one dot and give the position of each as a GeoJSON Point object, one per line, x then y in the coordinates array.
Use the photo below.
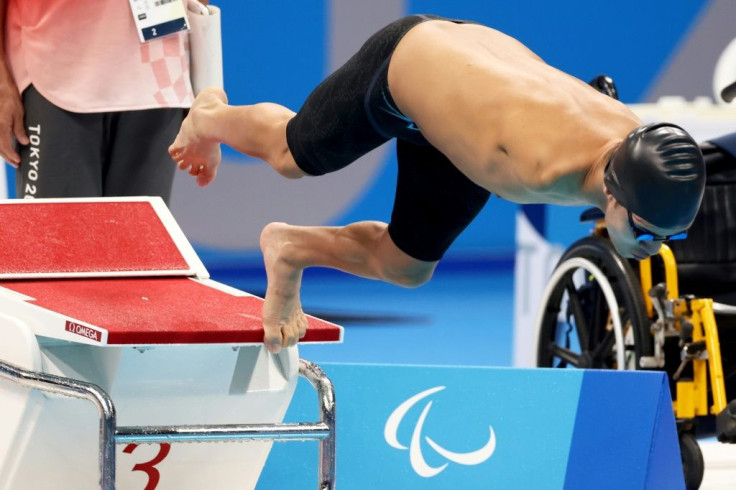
{"type": "Point", "coordinates": [106, 300]}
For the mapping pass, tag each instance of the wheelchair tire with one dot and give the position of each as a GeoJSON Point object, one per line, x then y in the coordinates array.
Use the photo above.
{"type": "Point", "coordinates": [693, 465]}
{"type": "Point", "coordinates": [590, 311]}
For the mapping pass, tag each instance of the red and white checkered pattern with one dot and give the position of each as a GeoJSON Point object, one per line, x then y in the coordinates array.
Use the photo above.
{"type": "Point", "coordinates": [169, 60]}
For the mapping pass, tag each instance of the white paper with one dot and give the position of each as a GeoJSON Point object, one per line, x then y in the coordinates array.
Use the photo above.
{"type": "Point", "coordinates": [205, 46]}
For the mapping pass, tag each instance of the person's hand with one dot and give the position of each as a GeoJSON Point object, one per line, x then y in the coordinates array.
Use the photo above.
{"type": "Point", "coordinates": [194, 148]}
{"type": "Point", "coordinates": [11, 122]}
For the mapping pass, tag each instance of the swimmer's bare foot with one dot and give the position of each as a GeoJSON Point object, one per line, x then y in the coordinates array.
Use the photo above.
{"type": "Point", "coordinates": [195, 147]}
{"type": "Point", "coordinates": [284, 321]}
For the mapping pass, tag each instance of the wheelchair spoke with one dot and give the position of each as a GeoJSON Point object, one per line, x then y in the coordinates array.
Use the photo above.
{"type": "Point", "coordinates": [600, 311]}
{"type": "Point", "coordinates": [605, 347]}
{"type": "Point", "coordinates": [578, 317]}
{"type": "Point", "coordinates": [565, 354]}
{"type": "Point", "coordinates": [581, 324]}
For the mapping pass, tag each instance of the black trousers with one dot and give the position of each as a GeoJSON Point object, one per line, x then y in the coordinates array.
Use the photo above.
{"type": "Point", "coordinates": [95, 154]}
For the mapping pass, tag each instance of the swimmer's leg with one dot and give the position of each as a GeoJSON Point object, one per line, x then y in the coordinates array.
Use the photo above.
{"type": "Point", "coordinates": [363, 249]}
{"type": "Point", "coordinates": [342, 119]}
{"type": "Point", "coordinates": [256, 130]}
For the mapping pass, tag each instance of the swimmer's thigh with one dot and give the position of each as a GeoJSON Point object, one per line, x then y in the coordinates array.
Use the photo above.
{"type": "Point", "coordinates": [434, 202]}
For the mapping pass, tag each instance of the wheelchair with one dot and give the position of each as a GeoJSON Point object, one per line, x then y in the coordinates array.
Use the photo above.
{"type": "Point", "coordinates": [673, 312]}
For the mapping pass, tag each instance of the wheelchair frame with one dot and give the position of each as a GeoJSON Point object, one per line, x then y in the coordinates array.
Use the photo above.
{"type": "Point", "coordinates": [693, 320]}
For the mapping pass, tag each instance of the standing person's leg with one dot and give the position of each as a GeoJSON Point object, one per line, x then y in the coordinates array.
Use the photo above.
{"type": "Point", "coordinates": [137, 162]}
{"type": "Point", "coordinates": [64, 156]}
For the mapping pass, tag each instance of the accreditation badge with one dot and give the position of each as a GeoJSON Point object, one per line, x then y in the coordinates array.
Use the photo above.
{"type": "Point", "coordinates": [158, 18]}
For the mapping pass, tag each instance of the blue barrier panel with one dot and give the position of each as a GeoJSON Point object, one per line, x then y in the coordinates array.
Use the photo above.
{"type": "Point", "coordinates": [425, 427]}
{"type": "Point", "coordinates": [624, 433]}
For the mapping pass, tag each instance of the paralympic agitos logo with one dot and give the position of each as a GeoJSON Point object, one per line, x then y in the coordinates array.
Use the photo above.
{"type": "Point", "coordinates": [418, 463]}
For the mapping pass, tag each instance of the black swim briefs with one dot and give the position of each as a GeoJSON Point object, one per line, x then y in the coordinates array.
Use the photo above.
{"type": "Point", "coordinates": [352, 112]}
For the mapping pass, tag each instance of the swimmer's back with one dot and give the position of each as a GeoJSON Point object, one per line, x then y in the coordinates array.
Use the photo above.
{"type": "Point", "coordinates": [497, 110]}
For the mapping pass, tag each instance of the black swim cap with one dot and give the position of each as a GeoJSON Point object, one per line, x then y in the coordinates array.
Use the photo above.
{"type": "Point", "coordinates": [658, 174]}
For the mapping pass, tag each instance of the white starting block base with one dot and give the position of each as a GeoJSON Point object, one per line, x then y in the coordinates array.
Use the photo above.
{"type": "Point", "coordinates": [54, 441]}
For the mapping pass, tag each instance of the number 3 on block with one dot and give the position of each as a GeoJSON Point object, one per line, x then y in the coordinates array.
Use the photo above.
{"type": "Point", "coordinates": [149, 467]}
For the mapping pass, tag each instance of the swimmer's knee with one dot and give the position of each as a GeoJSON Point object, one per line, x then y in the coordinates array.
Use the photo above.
{"type": "Point", "coordinates": [410, 275]}
{"type": "Point", "coordinates": [395, 266]}
{"type": "Point", "coordinates": [276, 149]}
{"type": "Point", "coordinates": [286, 166]}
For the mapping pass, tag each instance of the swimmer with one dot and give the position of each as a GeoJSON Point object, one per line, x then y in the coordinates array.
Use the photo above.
{"type": "Point", "coordinates": [474, 113]}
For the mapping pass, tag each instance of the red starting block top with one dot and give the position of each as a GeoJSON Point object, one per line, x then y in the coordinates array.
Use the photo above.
{"type": "Point", "coordinates": [119, 271]}
{"type": "Point", "coordinates": [93, 238]}
{"type": "Point", "coordinates": [162, 310]}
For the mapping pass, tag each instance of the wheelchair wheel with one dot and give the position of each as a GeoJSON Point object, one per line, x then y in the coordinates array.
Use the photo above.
{"type": "Point", "coordinates": [693, 465]}
{"type": "Point", "coordinates": [592, 313]}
